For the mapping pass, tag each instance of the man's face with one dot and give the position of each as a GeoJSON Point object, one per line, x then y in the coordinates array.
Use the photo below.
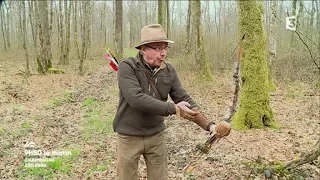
{"type": "Point", "coordinates": [154, 53]}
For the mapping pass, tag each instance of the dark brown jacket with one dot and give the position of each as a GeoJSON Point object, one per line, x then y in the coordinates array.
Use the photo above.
{"type": "Point", "coordinates": [139, 111]}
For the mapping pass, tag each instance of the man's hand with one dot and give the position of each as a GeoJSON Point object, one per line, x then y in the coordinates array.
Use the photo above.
{"type": "Point", "coordinates": [182, 110]}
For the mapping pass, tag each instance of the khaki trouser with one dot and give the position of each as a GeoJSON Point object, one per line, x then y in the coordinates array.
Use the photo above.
{"type": "Point", "coordinates": [129, 150]}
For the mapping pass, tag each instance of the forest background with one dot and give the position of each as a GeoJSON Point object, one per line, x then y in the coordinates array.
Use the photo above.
{"type": "Point", "coordinates": [58, 91]}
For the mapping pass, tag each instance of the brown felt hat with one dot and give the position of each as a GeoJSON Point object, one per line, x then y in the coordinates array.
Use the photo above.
{"type": "Point", "coordinates": [153, 33]}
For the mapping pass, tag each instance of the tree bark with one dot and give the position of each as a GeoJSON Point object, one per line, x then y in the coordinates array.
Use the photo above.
{"type": "Point", "coordinates": [85, 32]}
{"type": "Point", "coordinates": [7, 24]}
{"type": "Point", "coordinates": [300, 15]}
{"type": "Point", "coordinates": [200, 55]}
{"type": "Point", "coordinates": [168, 18]}
{"type": "Point", "coordinates": [75, 29]}
{"type": "Point", "coordinates": [312, 13]}
{"type": "Point", "coordinates": [3, 29]}
{"type": "Point", "coordinates": [33, 18]}
{"type": "Point", "coordinates": [61, 38]}
{"type": "Point", "coordinates": [118, 30]}
{"type": "Point", "coordinates": [188, 29]}
{"type": "Point", "coordinates": [318, 23]}
{"type": "Point", "coordinates": [132, 24]}
{"type": "Point", "coordinates": [162, 14]}
{"type": "Point", "coordinates": [294, 10]}
{"type": "Point", "coordinates": [23, 33]}
{"type": "Point", "coordinates": [254, 110]}
{"type": "Point", "coordinates": [68, 10]}
{"type": "Point", "coordinates": [273, 31]}
{"type": "Point", "coordinates": [45, 56]}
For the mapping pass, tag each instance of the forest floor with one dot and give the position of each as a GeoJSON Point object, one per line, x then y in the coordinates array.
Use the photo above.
{"type": "Point", "coordinates": [72, 115]}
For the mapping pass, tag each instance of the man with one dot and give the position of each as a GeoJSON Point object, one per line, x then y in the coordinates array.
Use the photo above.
{"type": "Point", "coordinates": [145, 83]}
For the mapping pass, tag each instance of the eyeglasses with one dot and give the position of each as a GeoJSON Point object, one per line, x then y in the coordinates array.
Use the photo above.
{"type": "Point", "coordinates": [159, 49]}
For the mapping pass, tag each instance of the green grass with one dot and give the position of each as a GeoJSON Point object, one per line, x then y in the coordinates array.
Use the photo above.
{"type": "Point", "coordinates": [66, 97]}
{"type": "Point", "coordinates": [97, 120]}
{"type": "Point", "coordinates": [2, 130]}
{"type": "Point", "coordinates": [96, 124]}
{"type": "Point", "coordinates": [60, 165]}
{"type": "Point", "coordinates": [17, 109]}
{"type": "Point", "coordinates": [26, 126]}
{"type": "Point", "coordinates": [90, 101]}
{"type": "Point", "coordinates": [99, 166]}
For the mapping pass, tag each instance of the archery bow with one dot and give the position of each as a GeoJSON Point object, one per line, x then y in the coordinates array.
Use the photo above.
{"type": "Point", "coordinates": [206, 146]}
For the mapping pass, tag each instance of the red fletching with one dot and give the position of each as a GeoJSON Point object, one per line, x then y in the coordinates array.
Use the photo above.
{"type": "Point", "coordinates": [113, 66]}
{"type": "Point", "coordinates": [113, 63]}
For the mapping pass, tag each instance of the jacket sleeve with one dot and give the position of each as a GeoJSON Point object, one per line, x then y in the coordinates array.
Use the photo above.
{"type": "Point", "coordinates": [134, 95]}
{"type": "Point", "coordinates": [178, 93]}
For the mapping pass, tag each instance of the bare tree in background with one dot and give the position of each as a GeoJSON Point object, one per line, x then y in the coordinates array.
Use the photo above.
{"type": "Point", "coordinates": [103, 24]}
{"type": "Point", "coordinates": [60, 32]}
{"type": "Point", "coordinates": [162, 13]}
{"type": "Point", "coordinates": [5, 24]}
{"type": "Point", "coordinates": [45, 55]}
{"type": "Point", "coordinates": [67, 9]}
{"type": "Point", "coordinates": [273, 31]}
{"type": "Point", "coordinates": [132, 23]}
{"type": "Point", "coordinates": [33, 11]}
{"type": "Point", "coordinates": [312, 14]}
{"type": "Point", "coordinates": [118, 30]}
{"type": "Point", "coordinates": [188, 29]}
{"type": "Point", "coordinates": [200, 55]}
{"type": "Point", "coordinates": [318, 23]}
{"type": "Point", "coordinates": [294, 13]}
{"type": "Point", "coordinates": [168, 18]}
{"type": "Point", "coordinates": [85, 32]}
{"type": "Point", "coordinates": [300, 15]}
{"type": "Point", "coordinates": [3, 28]}
{"type": "Point", "coordinates": [23, 33]}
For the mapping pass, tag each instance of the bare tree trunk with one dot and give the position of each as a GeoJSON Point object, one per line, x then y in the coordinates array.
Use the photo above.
{"type": "Point", "coordinates": [75, 28]}
{"type": "Point", "coordinates": [215, 18]}
{"type": "Point", "coordinates": [83, 25]}
{"type": "Point", "coordinates": [132, 23]}
{"type": "Point", "coordinates": [85, 32]}
{"type": "Point", "coordinates": [162, 13]}
{"type": "Point", "coordinates": [312, 13]}
{"type": "Point", "coordinates": [273, 32]}
{"type": "Point", "coordinates": [300, 15]}
{"type": "Point", "coordinates": [146, 12]}
{"type": "Point", "coordinates": [294, 10]}
{"type": "Point", "coordinates": [90, 29]}
{"type": "Point", "coordinates": [44, 35]}
{"type": "Point", "coordinates": [7, 23]}
{"type": "Point", "coordinates": [188, 29]}
{"type": "Point", "coordinates": [101, 26]}
{"type": "Point", "coordinates": [61, 33]}
{"type": "Point", "coordinates": [168, 18]}
{"type": "Point", "coordinates": [67, 24]}
{"type": "Point", "coordinates": [104, 24]}
{"type": "Point", "coordinates": [3, 29]}
{"type": "Point", "coordinates": [200, 55]}
{"type": "Point", "coordinates": [50, 17]}
{"type": "Point", "coordinates": [23, 33]}
{"type": "Point", "coordinates": [118, 29]}
{"type": "Point", "coordinates": [34, 24]}
{"type": "Point", "coordinates": [318, 23]}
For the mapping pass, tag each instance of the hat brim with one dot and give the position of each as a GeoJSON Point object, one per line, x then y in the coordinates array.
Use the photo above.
{"type": "Point", "coordinates": [168, 41]}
